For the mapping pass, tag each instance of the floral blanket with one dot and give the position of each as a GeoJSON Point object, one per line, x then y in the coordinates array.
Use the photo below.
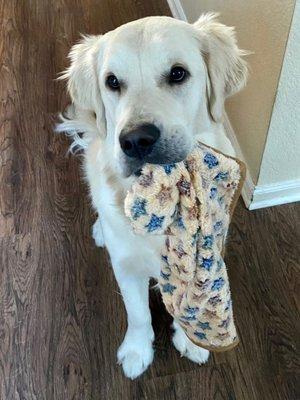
{"type": "Point", "coordinates": [191, 202]}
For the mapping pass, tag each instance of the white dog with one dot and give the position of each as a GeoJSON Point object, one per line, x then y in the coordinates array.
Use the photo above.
{"type": "Point", "coordinates": [142, 94]}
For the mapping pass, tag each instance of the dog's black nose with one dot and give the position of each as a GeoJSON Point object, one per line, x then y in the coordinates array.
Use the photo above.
{"type": "Point", "coordinates": [139, 141]}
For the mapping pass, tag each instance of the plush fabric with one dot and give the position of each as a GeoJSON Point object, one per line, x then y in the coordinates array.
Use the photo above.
{"type": "Point", "coordinates": [191, 202]}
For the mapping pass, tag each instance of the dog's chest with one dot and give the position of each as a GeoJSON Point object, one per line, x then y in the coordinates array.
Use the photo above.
{"type": "Point", "coordinates": [135, 253]}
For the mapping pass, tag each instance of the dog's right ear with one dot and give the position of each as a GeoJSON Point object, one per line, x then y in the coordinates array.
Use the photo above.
{"type": "Point", "coordinates": [82, 79]}
{"type": "Point", "coordinates": [226, 67]}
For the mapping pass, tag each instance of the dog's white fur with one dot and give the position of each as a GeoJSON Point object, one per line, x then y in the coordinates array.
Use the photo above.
{"type": "Point", "coordinates": [139, 53]}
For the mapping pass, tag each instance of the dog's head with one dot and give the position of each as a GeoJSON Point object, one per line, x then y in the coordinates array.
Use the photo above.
{"type": "Point", "coordinates": [153, 84]}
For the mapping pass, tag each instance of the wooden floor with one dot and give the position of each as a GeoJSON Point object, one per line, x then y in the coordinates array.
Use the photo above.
{"type": "Point", "coordinates": [61, 315]}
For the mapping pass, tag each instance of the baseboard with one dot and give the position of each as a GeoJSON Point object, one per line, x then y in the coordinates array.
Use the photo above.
{"type": "Point", "coordinates": [177, 10]}
{"type": "Point", "coordinates": [275, 194]}
{"type": "Point", "coordinates": [261, 196]}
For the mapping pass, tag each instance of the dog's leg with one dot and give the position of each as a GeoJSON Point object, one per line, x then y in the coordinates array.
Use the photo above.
{"type": "Point", "coordinates": [186, 347]}
{"type": "Point", "coordinates": [136, 352]}
{"type": "Point", "coordinates": [98, 233]}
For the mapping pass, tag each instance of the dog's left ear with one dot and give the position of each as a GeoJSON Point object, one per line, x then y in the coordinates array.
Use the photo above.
{"type": "Point", "coordinates": [82, 78]}
{"type": "Point", "coordinates": [227, 70]}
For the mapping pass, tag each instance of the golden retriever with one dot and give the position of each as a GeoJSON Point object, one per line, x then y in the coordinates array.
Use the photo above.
{"type": "Point", "coordinates": [143, 93]}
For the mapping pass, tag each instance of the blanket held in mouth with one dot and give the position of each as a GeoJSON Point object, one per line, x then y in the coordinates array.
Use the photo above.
{"type": "Point", "coordinates": [191, 202]}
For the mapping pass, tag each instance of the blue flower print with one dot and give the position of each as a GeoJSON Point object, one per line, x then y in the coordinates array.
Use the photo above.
{"type": "Point", "coordinates": [138, 208]}
{"type": "Point", "coordinates": [168, 168]}
{"type": "Point", "coordinates": [218, 225]}
{"type": "Point", "coordinates": [180, 223]}
{"type": "Point", "coordinates": [210, 160]}
{"type": "Point", "coordinates": [191, 310]}
{"type": "Point", "coordinates": [218, 284]}
{"type": "Point", "coordinates": [207, 263]}
{"type": "Point", "coordinates": [188, 318]}
{"type": "Point", "coordinates": [207, 242]}
{"type": "Point", "coordinates": [165, 259]}
{"type": "Point", "coordinates": [221, 176]}
{"type": "Point", "coordinates": [155, 223]}
{"type": "Point", "coordinates": [220, 264]}
{"type": "Point", "coordinates": [228, 305]}
{"type": "Point", "coordinates": [168, 288]}
{"type": "Point", "coordinates": [200, 335]}
{"type": "Point", "coordinates": [164, 275]}
{"type": "Point", "coordinates": [221, 200]}
{"type": "Point", "coordinates": [213, 193]}
{"type": "Point", "coordinates": [204, 325]}
{"type": "Point", "coordinates": [195, 237]}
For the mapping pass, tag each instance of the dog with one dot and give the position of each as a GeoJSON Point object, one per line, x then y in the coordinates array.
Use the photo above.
{"type": "Point", "coordinates": [144, 93]}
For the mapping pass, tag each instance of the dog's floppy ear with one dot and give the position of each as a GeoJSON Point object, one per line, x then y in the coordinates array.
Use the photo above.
{"type": "Point", "coordinates": [227, 70]}
{"type": "Point", "coordinates": [82, 79]}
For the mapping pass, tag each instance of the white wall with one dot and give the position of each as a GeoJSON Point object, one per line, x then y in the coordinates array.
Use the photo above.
{"type": "Point", "coordinates": [281, 158]}
{"type": "Point", "coordinates": [279, 178]}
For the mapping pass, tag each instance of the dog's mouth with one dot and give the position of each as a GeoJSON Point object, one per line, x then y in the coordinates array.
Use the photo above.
{"type": "Point", "coordinates": [138, 172]}
{"type": "Point", "coordinates": [135, 168]}
{"type": "Point", "coordinates": [170, 153]}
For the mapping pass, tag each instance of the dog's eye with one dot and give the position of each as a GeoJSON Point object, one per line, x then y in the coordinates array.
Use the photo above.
{"type": "Point", "coordinates": [177, 75]}
{"type": "Point", "coordinates": [112, 82]}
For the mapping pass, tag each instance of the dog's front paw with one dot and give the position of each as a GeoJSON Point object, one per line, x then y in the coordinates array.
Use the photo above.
{"type": "Point", "coordinates": [187, 348]}
{"type": "Point", "coordinates": [135, 354]}
{"type": "Point", "coordinates": [98, 233]}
